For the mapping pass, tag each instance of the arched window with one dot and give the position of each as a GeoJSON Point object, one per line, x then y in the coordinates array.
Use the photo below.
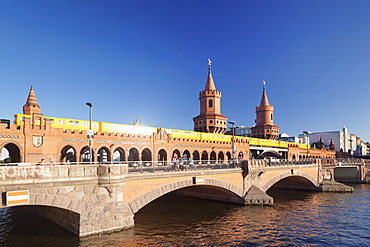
{"type": "Point", "coordinates": [210, 103]}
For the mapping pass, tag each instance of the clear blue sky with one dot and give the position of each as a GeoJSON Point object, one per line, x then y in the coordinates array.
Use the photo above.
{"type": "Point", "coordinates": [147, 60]}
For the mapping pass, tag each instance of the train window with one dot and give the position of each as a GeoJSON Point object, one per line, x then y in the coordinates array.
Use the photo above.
{"type": "Point", "coordinates": [95, 125]}
{"type": "Point", "coordinates": [61, 122]}
{"type": "Point", "coordinates": [85, 124]}
{"type": "Point", "coordinates": [73, 123]}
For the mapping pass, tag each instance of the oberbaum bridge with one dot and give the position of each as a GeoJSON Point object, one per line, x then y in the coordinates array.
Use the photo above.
{"type": "Point", "coordinates": [93, 177]}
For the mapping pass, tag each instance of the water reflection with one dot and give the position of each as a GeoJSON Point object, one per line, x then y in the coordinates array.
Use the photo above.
{"type": "Point", "coordinates": [21, 227]}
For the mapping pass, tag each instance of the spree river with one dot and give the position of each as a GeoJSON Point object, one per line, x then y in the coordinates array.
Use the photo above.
{"type": "Point", "coordinates": [297, 218]}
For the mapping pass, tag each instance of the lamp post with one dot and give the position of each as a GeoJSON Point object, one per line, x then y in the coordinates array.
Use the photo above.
{"type": "Point", "coordinates": [90, 132]}
{"type": "Point", "coordinates": [306, 140]}
{"type": "Point", "coordinates": [232, 140]}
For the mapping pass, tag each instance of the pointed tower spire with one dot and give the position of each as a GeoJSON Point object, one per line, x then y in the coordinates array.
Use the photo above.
{"type": "Point", "coordinates": [265, 127]}
{"type": "Point", "coordinates": [264, 99]}
{"type": "Point", "coordinates": [210, 119]}
{"type": "Point", "coordinates": [31, 106]}
{"type": "Point", "coordinates": [331, 145]}
{"type": "Point", "coordinates": [210, 84]}
{"type": "Point", "coordinates": [320, 144]}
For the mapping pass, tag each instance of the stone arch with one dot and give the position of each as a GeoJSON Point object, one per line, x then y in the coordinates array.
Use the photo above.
{"type": "Point", "coordinates": [146, 154]}
{"type": "Point", "coordinates": [85, 154]}
{"type": "Point", "coordinates": [119, 155]}
{"type": "Point", "coordinates": [104, 154]}
{"type": "Point", "coordinates": [271, 153]}
{"type": "Point", "coordinates": [162, 155]}
{"type": "Point", "coordinates": [68, 153]}
{"type": "Point", "coordinates": [14, 150]}
{"type": "Point", "coordinates": [133, 154]}
{"type": "Point", "coordinates": [196, 155]}
{"type": "Point", "coordinates": [176, 154]}
{"type": "Point", "coordinates": [228, 155]}
{"type": "Point", "coordinates": [284, 175]}
{"type": "Point", "coordinates": [213, 156]}
{"type": "Point", "coordinates": [204, 155]}
{"type": "Point", "coordinates": [186, 155]}
{"type": "Point", "coordinates": [150, 196]}
{"type": "Point", "coordinates": [220, 156]}
{"type": "Point", "coordinates": [240, 155]}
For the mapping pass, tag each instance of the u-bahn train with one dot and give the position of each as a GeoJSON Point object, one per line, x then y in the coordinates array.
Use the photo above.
{"type": "Point", "coordinates": [73, 124]}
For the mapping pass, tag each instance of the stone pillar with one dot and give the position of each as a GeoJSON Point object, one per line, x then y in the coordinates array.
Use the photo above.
{"type": "Point", "coordinates": [110, 214]}
{"type": "Point", "coordinates": [255, 196]}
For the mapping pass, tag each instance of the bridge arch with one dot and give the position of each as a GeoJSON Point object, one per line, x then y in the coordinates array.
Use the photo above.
{"type": "Point", "coordinates": [213, 156]}
{"type": "Point", "coordinates": [68, 153]}
{"type": "Point", "coordinates": [196, 155]}
{"type": "Point", "coordinates": [104, 154]}
{"type": "Point", "coordinates": [175, 154]}
{"type": "Point", "coordinates": [292, 174]}
{"type": "Point", "coordinates": [204, 155]}
{"type": "Point", "coordinates": [228, 155]}
{"type": "Point", "coordinates": [14, 150]}
{"type": "Point", "coordinates": [220, 156]}
{"type": "Point", "coordinates": [186, 154]}
{"type": "Point", "coordinates": [133, 154]}
{"type": "Point", "coordinates": [119, 154]}
{"type": "Point", "coordinates": [162, 155]}
{"type": "Point", "coordinates": [270, 153]}
{"type": "Point", "coordinates": [150, 196]}
{"type": "Point", "coordinates": [146, 154]}
{"type": "Point", "coordinates": [85, 154]}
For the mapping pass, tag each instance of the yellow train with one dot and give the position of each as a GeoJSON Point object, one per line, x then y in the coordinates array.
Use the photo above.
{"type": "Point", "coordinates": [73, 124]}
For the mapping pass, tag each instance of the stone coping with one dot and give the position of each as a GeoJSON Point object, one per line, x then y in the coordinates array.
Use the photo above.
{"type": "Point", "coordinates": [147, 175]}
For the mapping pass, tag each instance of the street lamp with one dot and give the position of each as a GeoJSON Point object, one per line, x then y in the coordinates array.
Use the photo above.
{"type": "Point", "coordinates": [232, 140]}
{"type": "Point", "coordinates": [306, 140]}
{"type": "Point", "coordinates": [90, 132]}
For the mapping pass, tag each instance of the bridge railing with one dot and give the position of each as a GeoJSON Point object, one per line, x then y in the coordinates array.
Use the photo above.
{"type": "Point", "coordinates": [343, 162]}
{"type": "Point", "coordinates": [183, 165]}
{"type": "Point", "coordinates": [261, 163]}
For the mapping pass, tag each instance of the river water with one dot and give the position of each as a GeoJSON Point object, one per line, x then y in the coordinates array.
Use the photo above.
{"type": "Point", "coordinates": [297, 219]}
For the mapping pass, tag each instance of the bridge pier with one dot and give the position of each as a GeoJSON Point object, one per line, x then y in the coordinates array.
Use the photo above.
{"type": "Point", "coordinates": [85, 199]}
{"type": "Point", "coordinates": [255, 196]}
{"type": "Point", "coordinates": [333, 186]}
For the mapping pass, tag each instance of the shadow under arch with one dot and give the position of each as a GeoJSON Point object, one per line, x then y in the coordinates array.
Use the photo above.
{"type": "Point", "coordinates": [292, 180]}
{"type": "Point", "coordinates": [68, 153]}
{"type": "Point", "coordinates": [14, 150]}
{"type": "Point", "coordinates": [64, 217]}
{"type": "Point", "coordinates": [209, 190]}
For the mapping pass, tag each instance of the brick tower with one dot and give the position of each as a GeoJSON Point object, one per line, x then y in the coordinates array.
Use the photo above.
{"type": "Point", "coordinates": [265, 127]}
{"type": "Point", "coordinates": [210, 119]}
{"type": "Point", "coordinates": [31, 106]}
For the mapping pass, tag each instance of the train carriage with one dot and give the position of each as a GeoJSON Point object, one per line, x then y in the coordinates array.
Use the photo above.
{"type": "Point", "coordinates": [80, 125]}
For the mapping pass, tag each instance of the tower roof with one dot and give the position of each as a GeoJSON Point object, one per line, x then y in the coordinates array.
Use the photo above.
{"type": "Point", "coordinates": [31, 106]}
{"type": "Point", "coordinates": [31, 100]}
{"type": "Point", "coordinates": [264, 99]}
{"type": "Point", "coordinates": [210, 84]}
